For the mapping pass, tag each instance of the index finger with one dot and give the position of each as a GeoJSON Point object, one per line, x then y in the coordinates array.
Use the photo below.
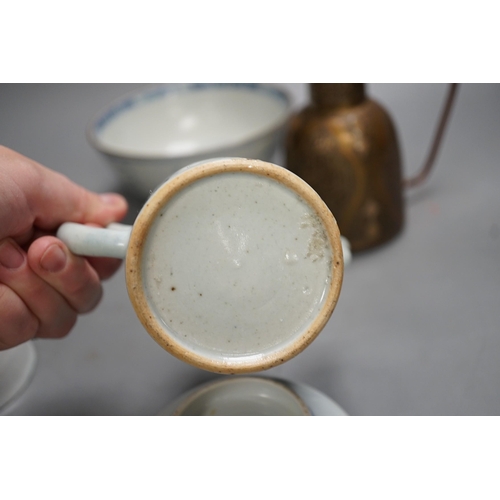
{"type": "Point", "coordinates": [35, 195]}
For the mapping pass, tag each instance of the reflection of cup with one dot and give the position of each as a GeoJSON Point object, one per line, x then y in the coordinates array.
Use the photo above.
{"type": "Point", "coordinates": [233, 265]}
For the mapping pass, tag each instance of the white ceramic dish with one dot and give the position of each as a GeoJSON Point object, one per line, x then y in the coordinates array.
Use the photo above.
{"type": "Point", "coordinates": [253, 396]}
{"type": "Point", "coordinates": [150, 134]}
{"type": "Point", "coordinates": [17, 366]}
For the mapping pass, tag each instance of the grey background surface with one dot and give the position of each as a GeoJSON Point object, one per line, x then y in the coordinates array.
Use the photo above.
{"type": "Point", "coordinates": [416, 330]}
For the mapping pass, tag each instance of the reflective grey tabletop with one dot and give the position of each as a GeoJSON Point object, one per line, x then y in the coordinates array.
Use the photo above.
{"type": "Point", "coordinates": [416, 330]}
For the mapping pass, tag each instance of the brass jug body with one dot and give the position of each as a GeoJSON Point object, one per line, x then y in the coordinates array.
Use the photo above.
{"type": "Point", "coordinates": [345, 146]}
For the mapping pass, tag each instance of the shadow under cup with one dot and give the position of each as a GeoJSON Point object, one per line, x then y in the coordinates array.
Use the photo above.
{"type": "Point", "coordinates": [234, 265]}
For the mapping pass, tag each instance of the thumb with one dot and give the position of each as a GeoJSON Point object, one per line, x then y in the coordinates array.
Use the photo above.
{"type": "Point", "coordinates": [46, 198]}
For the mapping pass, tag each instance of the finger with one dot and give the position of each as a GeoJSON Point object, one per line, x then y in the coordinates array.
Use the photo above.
{"type": "Point", "coordinates": [105, 266]}
{"type": "Point", "coordinates": [36, 195]}
{"type": "Point", "coordinates": [71, 275]}
{"type": "Point", "coordinates": [25, 239]}
{"type": "Point", "coordinates": [19, 324]}
{"type": "Point", "coordinates": [55, 316]}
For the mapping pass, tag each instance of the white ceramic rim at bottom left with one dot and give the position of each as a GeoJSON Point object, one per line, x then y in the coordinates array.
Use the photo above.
{"type": "Point", "coordinates": [17, 366]}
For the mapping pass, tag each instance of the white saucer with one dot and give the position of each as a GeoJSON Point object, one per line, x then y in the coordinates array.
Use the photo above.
{"type": "Point", "coordinates": [253, 396]}
{"type": "Point", "coordinates": [17, 366]}
{"type": "Point", "coordinates": [319, 404]}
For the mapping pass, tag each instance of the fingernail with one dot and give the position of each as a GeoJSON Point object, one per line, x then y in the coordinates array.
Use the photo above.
{"type": "Point", "coordinates": [111, 199]}
{"type": "Point", "coordinates": [54, 259]}
{"type": "Point", "coordinates": [10, 256]}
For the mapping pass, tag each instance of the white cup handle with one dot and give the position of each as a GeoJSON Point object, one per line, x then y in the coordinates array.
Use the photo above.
{"type": "Point", "coordinates": [113, 241]}
{"type": "Point", "coordinates": [346, 250]}
{"type": "Point", "coordinates": [96, 241]}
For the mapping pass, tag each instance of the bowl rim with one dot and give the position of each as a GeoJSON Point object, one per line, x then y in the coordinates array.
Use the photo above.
{"type": "Point", "coordinates": [122, 103]}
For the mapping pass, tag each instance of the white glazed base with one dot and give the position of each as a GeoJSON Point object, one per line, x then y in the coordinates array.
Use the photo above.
{"type": "Point", "coordinates": [16, 369]}
{"type": "Point", "coordinates": [238, 264]}
{"type": "Point", "coordinates": [234, 265]}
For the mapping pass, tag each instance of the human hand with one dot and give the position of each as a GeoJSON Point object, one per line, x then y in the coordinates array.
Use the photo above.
{"type": "Point", "coordinates": [43, 286]}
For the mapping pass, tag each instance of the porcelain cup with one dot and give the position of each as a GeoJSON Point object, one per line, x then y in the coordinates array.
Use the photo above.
{"type": "Point", "coordinates": [241, 396]}
{"type": "Point", "coordinates": [253, 396]}
{"type": "Point", "coordinates": [232, 265]}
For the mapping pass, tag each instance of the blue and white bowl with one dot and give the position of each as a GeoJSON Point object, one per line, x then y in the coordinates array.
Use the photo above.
{"type": "Point", "coordinates": [150, 134]}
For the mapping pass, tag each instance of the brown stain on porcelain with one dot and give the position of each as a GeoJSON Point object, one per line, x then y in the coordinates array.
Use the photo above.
{"type": "Point", "coordinates": [134, 276]}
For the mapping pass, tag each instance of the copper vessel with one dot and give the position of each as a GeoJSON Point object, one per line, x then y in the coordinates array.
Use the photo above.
{"type": "Point", "coordinates": [345, 146]}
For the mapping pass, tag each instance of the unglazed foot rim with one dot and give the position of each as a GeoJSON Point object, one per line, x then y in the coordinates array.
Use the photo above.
{"type": "Point", "coordinates": [134, 275]}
